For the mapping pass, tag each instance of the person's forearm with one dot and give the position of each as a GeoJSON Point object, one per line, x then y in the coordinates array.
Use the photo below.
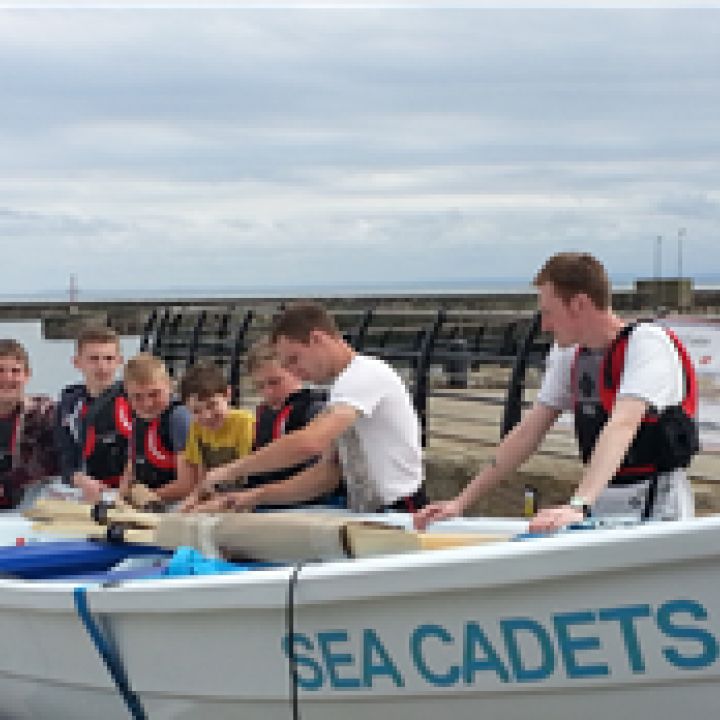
{"type": "Point", "coordinates": [610, 449]}
{"type": "Point", "coordinates": [306, 485]}
{"type": "Point", "coordinates": [286, 451]}
{"type": "Point", "coordinates": [125, 479]}
{"type": "Point", "coordinates": [520, 443]}
{"type": "Point", "coordinates": [480, 484]}
{"type": "Point", "coordinates": [199, 473]}
{"type": "Point", "coordinates": [175, 490]}
{"type": "Point", "coordinates": [183, 484]}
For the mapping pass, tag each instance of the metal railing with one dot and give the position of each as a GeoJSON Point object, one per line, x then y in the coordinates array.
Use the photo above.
{"type": "Point", "coordinates": [413, 342]}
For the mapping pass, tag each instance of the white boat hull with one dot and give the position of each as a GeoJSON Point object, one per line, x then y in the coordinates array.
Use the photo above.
{"type": "Point", "coordinates": [610, 623]}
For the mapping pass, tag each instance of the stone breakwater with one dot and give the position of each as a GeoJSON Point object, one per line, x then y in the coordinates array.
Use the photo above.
{"type": "Point", "coordinates": [61, 318]}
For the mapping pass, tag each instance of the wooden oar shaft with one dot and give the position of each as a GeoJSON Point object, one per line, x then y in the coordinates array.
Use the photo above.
{"type": "Point", "coordinates": [271, 536]}
{"type": "Point", "coordinates": [46, 509]}
{"type": "Point", "coordinates": [79, 528]}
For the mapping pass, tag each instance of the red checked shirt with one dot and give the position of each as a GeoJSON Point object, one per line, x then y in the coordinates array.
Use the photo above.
{"type": "Point", "coordinates": [27, 448]}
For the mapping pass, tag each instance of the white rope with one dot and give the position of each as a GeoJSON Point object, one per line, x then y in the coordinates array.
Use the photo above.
{"type": "Point", "coordinates": [205, 534]}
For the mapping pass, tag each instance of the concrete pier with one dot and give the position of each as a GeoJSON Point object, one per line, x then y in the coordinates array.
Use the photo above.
{"type": "Point", "coordinates": [62, 318]}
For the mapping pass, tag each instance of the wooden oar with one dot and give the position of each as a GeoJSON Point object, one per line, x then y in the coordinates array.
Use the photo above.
{"type": "Point", "coordinates": [271, 536]}
{"type": "Point", "coordinates": [45, 509]}
{"type": "Point", "coordinates": [91, 530]}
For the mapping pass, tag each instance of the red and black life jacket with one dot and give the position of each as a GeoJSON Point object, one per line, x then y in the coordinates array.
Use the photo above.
{"type": "Point", "coordinates": [270, 424]}
{"type": "Point", "coordinates": [94, 432]}
{"type": "Point", "coordinates": [154, 463]}
{"type": "Point", "coordinates": [665, 441]}
{"type": "Point", "coordinates": [107, 427]}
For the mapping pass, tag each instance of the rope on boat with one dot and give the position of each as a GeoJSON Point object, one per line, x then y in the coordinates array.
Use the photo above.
{"type": "Point", "coordinates": [109, 655]}
{"type": "Point", "coordinates": [290, 634]}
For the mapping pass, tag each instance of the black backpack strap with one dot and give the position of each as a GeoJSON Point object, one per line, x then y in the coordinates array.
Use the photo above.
{"type": "Point", "coordinates": [624, 334]}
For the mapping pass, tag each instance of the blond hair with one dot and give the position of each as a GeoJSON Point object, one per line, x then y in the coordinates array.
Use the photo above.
{"type": "Point", "coordinates": [260, 354]}
{"type": "Point", "coordinates": [144, 369]}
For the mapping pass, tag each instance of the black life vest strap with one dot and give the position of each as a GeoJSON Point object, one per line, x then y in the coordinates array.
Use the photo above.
{"type": "Point", "coordinates": [624, 334]}
{"type": "Point", "coordinates": [96, 405]}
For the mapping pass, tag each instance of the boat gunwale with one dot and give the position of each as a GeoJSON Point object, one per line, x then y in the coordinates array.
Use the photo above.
{"type": "Point", "coordinates": [572, 554]}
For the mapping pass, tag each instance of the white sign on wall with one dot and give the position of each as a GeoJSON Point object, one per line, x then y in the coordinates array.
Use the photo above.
{"type": "Point", "coordinates": [702, 341]}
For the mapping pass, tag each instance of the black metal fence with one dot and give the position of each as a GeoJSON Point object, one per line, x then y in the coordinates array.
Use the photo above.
{"type": "Point", "coordinates": [416, 342]}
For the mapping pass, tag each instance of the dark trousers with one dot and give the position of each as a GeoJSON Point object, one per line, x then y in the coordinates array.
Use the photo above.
{"type": "Point", "coordinates": [409, 503]}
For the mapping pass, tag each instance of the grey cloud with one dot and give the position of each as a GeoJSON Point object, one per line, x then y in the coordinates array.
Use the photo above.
{"type": "Point", "coordinates": [19, 224]}
{"type": "Point", "coordinates": [232, 145]}
{"type": "Point", "coordinates": [691, 207]}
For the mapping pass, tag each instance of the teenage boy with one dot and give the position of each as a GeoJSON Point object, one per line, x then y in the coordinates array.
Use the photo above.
{"type": "Point", "coordinates": [93, 421]}
{"type": "Point", "coordinates": [27, 451]}
{"type": "Point", "coordinates": [286, 407]}
{"type": "Point", "coordinates": [218, 434]}
{"type": "Point", "coordinates": [369, 418]}
{"type": "Point", "coordinates": [159, 433]}
{"type": "Point", "coordinates": [632, 390]}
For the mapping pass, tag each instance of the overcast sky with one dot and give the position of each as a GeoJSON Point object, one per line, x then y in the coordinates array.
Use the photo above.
{"type": "Point", "coordinates": [200, 148]}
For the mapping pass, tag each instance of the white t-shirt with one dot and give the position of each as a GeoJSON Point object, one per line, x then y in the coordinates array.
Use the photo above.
{"type": "Point", "coordinates": [653, 372]}
{"type": "Point", "coordinates": [381, 451]}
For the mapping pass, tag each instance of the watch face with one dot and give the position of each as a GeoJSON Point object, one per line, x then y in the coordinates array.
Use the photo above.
{"type": "Point", "coordinates": [579, 504]}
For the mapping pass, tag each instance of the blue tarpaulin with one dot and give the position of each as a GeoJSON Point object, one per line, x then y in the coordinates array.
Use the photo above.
{"type": "Point", "coordinates": [67, 558]}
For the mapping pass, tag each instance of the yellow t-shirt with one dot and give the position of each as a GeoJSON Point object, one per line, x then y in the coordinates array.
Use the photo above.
{"type": "Point", "coordinates": [232, 440]}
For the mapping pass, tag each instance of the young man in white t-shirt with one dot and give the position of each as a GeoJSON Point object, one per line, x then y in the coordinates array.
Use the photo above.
{"type": "Point", "coordinates": [610, 410]}
{"type": "Point", "coordinates": [369, 420]}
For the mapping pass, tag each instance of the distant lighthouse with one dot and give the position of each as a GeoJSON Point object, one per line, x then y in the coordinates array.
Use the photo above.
{"type": "Point", "coordinates": [73, 289]}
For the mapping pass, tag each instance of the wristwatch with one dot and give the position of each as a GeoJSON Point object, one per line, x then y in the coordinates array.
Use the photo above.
{"type": "Point", "coordinates": [577, 502]}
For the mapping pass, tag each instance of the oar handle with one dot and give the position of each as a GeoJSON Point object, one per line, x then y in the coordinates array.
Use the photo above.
{"type": "Point", "coordinates": [102, 513]}
{"type": "Point", "coordinates": [83, 528]}
{"type": "Point", "coordinates": [106, 514]}
{"type": "Point", "coordinates": [120, 533]}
